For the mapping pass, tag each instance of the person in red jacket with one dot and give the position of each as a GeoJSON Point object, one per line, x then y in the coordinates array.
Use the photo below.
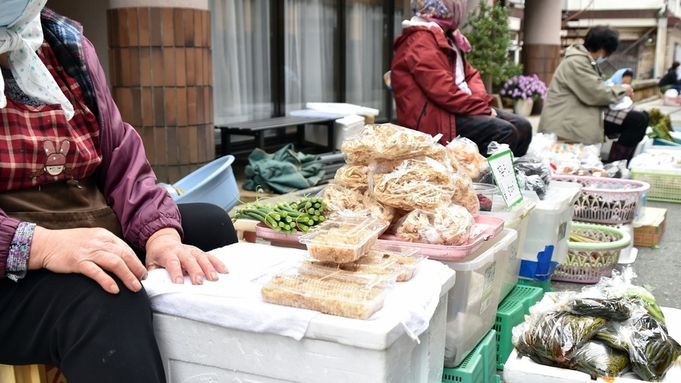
{"type": "Point", "coordinates": [438, 92]}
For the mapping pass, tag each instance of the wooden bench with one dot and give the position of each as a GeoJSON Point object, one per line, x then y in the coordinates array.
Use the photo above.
{"type": "Point", "coordinates": [258, 128]}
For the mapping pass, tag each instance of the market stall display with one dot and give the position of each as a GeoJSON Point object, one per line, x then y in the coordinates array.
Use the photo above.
{"type": "Point", "coordinates": [224, 331]}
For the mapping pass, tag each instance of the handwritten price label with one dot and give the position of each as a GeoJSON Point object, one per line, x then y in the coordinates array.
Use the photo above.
{"type": "Point", "coordinates": [502, 167]}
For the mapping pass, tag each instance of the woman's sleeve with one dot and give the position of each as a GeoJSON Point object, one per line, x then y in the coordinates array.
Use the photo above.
{"type": "Point", "coordinates": [430, 68]}
{"type": "Point", "coordinates": [125, 176]}
{"type": "Point", "coordinates": [8, 227]}
{"type": "Point", "coordinates": [590, 88]}
{"type": "Point", "coordinates": [475, 84]}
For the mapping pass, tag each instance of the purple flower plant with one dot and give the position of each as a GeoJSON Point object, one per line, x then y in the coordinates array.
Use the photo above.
{"type": "Point", "coordinates": [524, 87]}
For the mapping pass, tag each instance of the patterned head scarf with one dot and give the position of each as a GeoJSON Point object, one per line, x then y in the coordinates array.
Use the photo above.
{"type": "Point", "coordinates": [445, 13]}
{"type": "Point", "coordinates": [20, 39]}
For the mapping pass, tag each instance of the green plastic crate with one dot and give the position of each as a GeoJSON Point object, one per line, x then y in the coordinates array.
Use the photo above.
{"type": "Point", "coordinates": [510, 313]}
{"type": "Point", "coordinates": [479, 366]}
{"type": "Point", "coordinates": [498, 379]}
{"type": "Point", "coordinates": [545, 285]}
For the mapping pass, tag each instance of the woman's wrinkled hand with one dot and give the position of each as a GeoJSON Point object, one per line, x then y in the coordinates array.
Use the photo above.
{"type": "Point", "coordinates": [87, 251]}
{"type": "Point", "coordinates": [165, 250]}
{"type": "Point", "coordinates": [493, 113]}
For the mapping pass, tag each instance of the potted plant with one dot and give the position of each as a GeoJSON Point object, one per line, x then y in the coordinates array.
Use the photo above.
{"type": "Point", "coordinates": [524, 90]}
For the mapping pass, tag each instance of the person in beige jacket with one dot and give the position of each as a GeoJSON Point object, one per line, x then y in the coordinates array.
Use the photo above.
{"type": "Point", "coordinates": [581, 107]}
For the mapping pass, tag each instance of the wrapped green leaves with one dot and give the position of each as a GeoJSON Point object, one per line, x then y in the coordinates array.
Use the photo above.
{"type": "Point", "coordinates": [598, 359]}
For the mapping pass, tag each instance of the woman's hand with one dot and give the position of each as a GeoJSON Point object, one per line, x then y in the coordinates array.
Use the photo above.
{"type": "Point", "coordinates": [87, 251]}
{"type": "Point", "coordinates": [629, 89]}
{"type": "Point", "coordinates": [165, 250]}
{"type": "Point", "coordinates": [493, 113]}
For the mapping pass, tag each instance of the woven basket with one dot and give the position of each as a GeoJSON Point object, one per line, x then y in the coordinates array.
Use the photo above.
{"type": "Point", "coordinates": [607, 200]}
{"type": "Point", "coordinates": [588, 262]}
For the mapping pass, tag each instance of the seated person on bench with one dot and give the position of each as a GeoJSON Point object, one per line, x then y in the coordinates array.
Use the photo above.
{"type": "Point", "coordinates": [80, 213]}
{"type": "Point", "coordinates": [438, 92]}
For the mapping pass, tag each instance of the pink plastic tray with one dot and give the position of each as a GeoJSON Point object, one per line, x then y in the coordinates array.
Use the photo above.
{"type": "Point", "coordinates": [485, 227]}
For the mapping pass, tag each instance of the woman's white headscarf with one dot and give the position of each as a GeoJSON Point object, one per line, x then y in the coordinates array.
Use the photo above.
{"type": "Point", "coordinates": [20, 38]}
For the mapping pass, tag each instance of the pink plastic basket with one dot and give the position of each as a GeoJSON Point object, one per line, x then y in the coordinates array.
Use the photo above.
{"type": "Point", "coordinates": [588, 262]}
{"type": "Point", "coordinates": [607, 200]}
{"type": "Point", "coordinates": [485, 228]}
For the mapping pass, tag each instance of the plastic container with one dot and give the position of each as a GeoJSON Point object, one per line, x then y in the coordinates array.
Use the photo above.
{"type": "Point", "coordinates": [607, 200]}
{"type": "Point", "coordinates": [473, 301]}
{"type": "Point", "coordinates": [510, 257]}
{"type": "Point", "coordinates": [479, 365]}
{"type": "Point", "coordinates": [550, 221]}
{"type": "Point", "coordinates": [484, 228]}
{"type": "Point", "coordinates": [510, 313]}
{"type": "Point", "coordinates": [327, 290]}
{"type": "Point", "coordinates": [212, 183]}
{"type": "Point", "coordinates": [665, 184]}
{"type": "Point", "coordinates": [588, 262]}
{"type": "Point", "coordinates": [406, 259]}
{"type": "Point", "coordinates": [516, 219]}
{"type": "Point", "coordinates": [485, 193]}
{"type": "Point", "coordinates": [344, 239]}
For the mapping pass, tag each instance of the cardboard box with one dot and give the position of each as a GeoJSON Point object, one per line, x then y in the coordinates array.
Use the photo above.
{"type": "Point", "coordinates": [649, 227]}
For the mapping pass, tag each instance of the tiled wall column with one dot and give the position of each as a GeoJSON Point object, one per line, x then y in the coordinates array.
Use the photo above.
{"type": "Point", "coordinates": [541, 38]}
{"type": "Point", "coordinates": [161, 79]}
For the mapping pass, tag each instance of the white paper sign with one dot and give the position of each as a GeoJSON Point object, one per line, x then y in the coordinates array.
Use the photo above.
{"type": "Point", "coordinates": [503, 170]}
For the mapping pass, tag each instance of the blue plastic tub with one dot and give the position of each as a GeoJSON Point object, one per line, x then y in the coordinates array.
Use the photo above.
{"type": "Point", "coordinates": [212, 183]}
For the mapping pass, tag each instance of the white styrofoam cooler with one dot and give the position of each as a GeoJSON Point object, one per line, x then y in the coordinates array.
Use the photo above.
{"type": "Point", "coordinates": [550, 221]}
{"type": "Point", "coordinates": [343, 127]}
{"type": "Point", "coordinates": [473, 301]}
{"type": "Point", "coordinates": [519, 369]}
{"type": "Point", "coordinates": [334, 349]}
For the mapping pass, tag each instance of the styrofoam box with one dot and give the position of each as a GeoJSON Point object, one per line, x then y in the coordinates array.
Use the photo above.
{"type": "Point", "coordinates": [550, 221]}
{"type": "Point", "coordinates": [343, 127]}
{"type": "Point", "coordinates": [516, 219]}
{"type": "Point", "coordinates": [520, 369]}
{"type": "Point", "coordinates": [473, 301]}
{"type": "Point", "coordinates": [333, 350]}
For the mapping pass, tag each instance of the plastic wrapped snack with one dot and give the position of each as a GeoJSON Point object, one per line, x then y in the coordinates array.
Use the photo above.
{"type": "Point", "coordinates": [415, 184]}
{"type": "Point", "coordinates": [386, 142]}
{"type": "Point", "coordinates": [343, 239]}
{"type": "Point", "coordinates": [469, 157]}
{"type": "Point", "coordinates": [340, 200]}
{"type": "Point", "coordinates": [406, 259]}
{"type": "Point", "coordinates": [345, 294]}
{"type": "Point", "coordinates": [377, 266]}
{"type": "Point", "coordinates": [442, 226]}
{"type": "Point", "coordinates": [353, 177]}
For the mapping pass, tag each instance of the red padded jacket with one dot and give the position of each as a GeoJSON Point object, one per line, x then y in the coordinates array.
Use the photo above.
{"type": "Point", "coordinates": [423, 79]}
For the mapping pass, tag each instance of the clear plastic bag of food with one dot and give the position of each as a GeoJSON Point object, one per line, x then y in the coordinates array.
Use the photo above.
{"type": "Point", "coordinates": [449, 225]}
{"type": "Point", "coordinates": [469, 157]}
{"type": "Point", "coordinates": [386, 142]}
{"type": "Point", "coordinates": [353, 177]}
{"type": "Point", "coordinates": [600, 360]}
{"type": "Point", "coordinates": [418, 183]}
{"type": "Point", "coordinates": [343, 201]}
{"type": "Point", "coordinates": [533, 165]}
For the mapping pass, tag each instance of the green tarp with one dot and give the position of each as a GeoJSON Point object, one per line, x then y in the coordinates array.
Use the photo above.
{"type": "Point", "coordinates": [283, 171]}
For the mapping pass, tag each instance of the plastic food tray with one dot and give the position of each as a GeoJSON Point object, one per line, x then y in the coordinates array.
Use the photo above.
{"type": "Point", "coordinates": [485, 227]}
{"type": "Point", "coordinates": [607, 200]}
{"type": "Point", "coordinates": [406, 259]}
{"type": "Point", "coordinates": [588, 262]}
{"type": "Point", "coordinates": [330, 291]}
{"type": "Point", "coordinates": [343, 240]}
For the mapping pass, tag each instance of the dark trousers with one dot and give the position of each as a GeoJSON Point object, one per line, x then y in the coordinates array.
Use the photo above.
{"type": "Point", "coordinates": [631, 130]}
{"type": "Point", "coordinates": [70, 322]}
{"type": "Point", "coordinates": [505, 128]}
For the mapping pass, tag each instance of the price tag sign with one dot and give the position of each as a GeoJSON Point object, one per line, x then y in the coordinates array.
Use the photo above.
{"type": "Point", "coordinates": [503, 170]}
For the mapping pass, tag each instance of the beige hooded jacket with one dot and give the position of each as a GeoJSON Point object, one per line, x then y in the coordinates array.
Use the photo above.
{"type": "Point", "coordinates": [578, 95]}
